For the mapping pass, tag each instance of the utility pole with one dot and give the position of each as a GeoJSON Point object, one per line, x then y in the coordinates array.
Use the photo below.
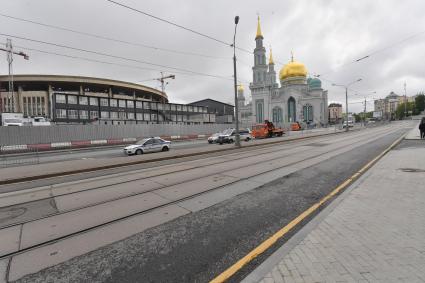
{"type": "Point", "coordinates": [364, 113]}
{"type": "Point", "coordinates": [163, 83]}
{"type": "Point", "coordinates": [405, 101]}
{"type": "Point", "coordinates": [237, 137]}
{"type": "Point", "coordinates": [10, 52]}
{"type": "Point", "coordinates": [346, 100]}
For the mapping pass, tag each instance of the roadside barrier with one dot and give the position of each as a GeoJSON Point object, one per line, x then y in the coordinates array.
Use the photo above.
{"type": "Point", "coordinates": [24, 148]}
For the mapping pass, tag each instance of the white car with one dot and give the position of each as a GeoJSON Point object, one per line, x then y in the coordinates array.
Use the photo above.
{"type": "Point", "coordinates": [148, 145]}
{"type": "Point", "coordinates": [349, 123]}
{"type": "Point", "coordinates": [213, 138]}
{"type": "Point", "coordinates": [228, 136]}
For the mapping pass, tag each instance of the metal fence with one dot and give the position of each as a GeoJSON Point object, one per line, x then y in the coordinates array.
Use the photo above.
{"type": "Point", "coordinates": [67, 133]}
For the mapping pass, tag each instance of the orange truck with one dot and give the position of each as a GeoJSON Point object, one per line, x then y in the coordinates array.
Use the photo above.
{"type": "Point", "coordinates": [296, 126]}
{"type": "Point", "coordinates": [266, 130]}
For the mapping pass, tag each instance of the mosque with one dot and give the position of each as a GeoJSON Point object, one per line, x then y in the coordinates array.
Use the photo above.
{"type": "Point", "coordinates": [298, 98]}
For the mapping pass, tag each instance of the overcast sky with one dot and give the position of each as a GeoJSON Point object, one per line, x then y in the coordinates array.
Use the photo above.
{"type": "Point", "coordinates": [324, 35]}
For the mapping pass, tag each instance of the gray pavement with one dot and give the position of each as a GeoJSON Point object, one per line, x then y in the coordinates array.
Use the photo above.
{"type": "Point", "coordinates": [183, 222]}
{"type": "Point", "coordinates": [374, 232]}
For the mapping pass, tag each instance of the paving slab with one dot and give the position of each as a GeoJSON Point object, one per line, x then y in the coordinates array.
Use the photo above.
{"type": "Point", "coordinates": [37, 259]}
{"type": "Point", "coordinates": [197, 186]}
{"type": "Point", "coordinates": [211, 198]}
{"type": "Point", "coordinates": [103, 194]}
{"type": "Point", "coordinates": [414, 134]}
{"type": "Point", "coordinates": [54, 227]}
{"type": "Point", "coordinates": [26, 211]}
{"type": "Point", "coordinates": [3, 270]}
{"type": "Point", "coordinates": [33, 194]}
{"type": "Point", "coordinates": [372, 232]}
{"type": "Point", "coordinates": [9, 240]}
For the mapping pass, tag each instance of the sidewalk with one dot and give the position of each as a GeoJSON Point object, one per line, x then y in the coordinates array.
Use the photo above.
{"type": "Point", "coordinates": [373, 232]}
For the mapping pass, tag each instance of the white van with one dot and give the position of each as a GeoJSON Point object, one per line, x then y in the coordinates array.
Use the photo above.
{"type": "Point", "coordinates": [12, 119]}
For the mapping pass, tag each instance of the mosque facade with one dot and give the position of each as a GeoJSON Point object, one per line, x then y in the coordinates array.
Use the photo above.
{"type": "Point", "coordinates": [297, 98]}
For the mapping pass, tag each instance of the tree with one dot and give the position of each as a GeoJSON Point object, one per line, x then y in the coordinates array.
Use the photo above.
{"type": "Point", "coordinates": [357, 117]}
{"type": "Point", "coordinates": [420, 102]}
{"type": "Point", "coordinates": [411, 110]}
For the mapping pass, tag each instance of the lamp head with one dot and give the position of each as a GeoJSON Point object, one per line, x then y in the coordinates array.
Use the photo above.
{"type": "Point", "coordinates": [236, 20]}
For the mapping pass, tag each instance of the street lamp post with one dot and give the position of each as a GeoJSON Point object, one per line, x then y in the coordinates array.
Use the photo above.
{"type": "Point", "coordinates": [237, 137]}
{"type": "Point", "coordinates": [346, 99]}
{"type": "Point", "coordinates": [364, 109]}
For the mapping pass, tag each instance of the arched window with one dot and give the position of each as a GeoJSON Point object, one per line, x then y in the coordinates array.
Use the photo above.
{"type": "Point", "coordinates": [277, 115]}
{"type": "Point", "coordinates": [292, 110]}
{"type": "Point", "coordinates": [259, 111]}
{"type": "Point", "coordinates": [308, 113]}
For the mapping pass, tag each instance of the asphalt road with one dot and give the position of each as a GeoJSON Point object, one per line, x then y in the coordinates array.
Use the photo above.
{"type": "Point", "coordinates": [199, 245]}
{"type": "Point", "coordinates": [20, 159]}
{"type": "Point", "coordinates": [86, 153]}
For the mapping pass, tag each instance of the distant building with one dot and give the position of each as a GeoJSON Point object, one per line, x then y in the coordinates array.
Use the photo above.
{"type": "Point", "coordinates": [335, 113]}
{"type": "Point", "coordinates": [224, 112]}
{"type": "Point", "coordinates": [80, 100]}
{"type": "Point", "coordinates": [245, 109]}
{"type": "Point", "coordinates": [388, 105]}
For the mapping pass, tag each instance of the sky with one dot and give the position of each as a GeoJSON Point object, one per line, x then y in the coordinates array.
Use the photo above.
{"type": "Point", "coordinates": [327, 36]}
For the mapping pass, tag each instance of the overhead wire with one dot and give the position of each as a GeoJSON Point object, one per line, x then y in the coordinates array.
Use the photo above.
{"type": "Point", "coordinates": [111, 55]}
{"type": "Point", "coordinates": [114, 39]}
{"type": "Point", "coordinates": [374, 52]}
{"type": "Point", "coordinates": [170, 22]}
{"type": "Point", "coordinates": [179, 26]}
{"type": "Point", "coordinates": [118, 64]}
{"type": "Point", "coordinates": [91, 60]}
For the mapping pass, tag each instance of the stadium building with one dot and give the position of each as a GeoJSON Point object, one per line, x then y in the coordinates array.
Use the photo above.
{"type": "Point", "coordinates": [82, 100]}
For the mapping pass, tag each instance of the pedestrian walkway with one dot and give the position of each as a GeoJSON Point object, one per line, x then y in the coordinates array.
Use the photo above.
{"type": "Point", "coordinates": [414, 134]}
{"type": "Point", "coordinates": [373, 232]}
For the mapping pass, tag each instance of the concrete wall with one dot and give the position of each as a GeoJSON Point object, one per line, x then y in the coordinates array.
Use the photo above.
{"type": "Point", "coordinates": [66, 133]}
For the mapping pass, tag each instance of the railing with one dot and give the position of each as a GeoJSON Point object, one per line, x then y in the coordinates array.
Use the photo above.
{"type": "Point", "coordinates": [18, 155]}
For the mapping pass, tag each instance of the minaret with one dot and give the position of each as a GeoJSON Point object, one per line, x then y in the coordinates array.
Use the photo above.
{"type": "Point", "coordinates": [260, 65]}
{"type": "Point", "coordinates": [272, 72]}
{"type": "Point", "coordinates": [241, 97]}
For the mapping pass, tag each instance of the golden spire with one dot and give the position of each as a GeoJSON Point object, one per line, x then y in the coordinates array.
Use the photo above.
{"type": "Point", "coordinates": [259, 34]}
{"type": "Point", "coordinates": [292, 56]}
{"type": "Point", "coordinates": [271, 57]}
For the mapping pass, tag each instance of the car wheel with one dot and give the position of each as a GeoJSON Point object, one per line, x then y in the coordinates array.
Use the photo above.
{"type": "Point", "coordinates": [139, 151]}
{"type": "Point", "coordinates": [247, 139]}
{"type": "Point", "coordinates": [165, 148]}
{"type": "Point", "coordinates": [231, 141]}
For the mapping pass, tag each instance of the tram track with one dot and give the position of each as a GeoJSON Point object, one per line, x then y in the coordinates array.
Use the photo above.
{"type": "Point", "coordinates": [342, 147]}
{"type": "Point", "coordinates": [135, 179]}
{"type": "Point", "coordinates": [253, 152]}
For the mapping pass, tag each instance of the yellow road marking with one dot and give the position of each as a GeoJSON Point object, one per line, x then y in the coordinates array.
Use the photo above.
{"type": "Point", "coordinates": [279, 234]}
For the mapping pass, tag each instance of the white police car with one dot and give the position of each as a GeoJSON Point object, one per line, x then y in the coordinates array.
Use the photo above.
{"type": "Point", "coordinates": [148, 145]}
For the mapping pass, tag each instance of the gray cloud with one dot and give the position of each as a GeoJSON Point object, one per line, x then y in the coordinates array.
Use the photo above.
{"type": "Point", "coordinates": [323, 34]}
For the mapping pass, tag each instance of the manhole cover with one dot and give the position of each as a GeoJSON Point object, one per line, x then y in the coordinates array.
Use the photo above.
{"type": "Point", "coordinates": [412, 170]}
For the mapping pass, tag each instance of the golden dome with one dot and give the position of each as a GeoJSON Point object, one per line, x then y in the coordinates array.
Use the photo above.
{"type": "Point", "coordinates": [240, 87]}
{"type": "Point", "coordinates": [293, 69]}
